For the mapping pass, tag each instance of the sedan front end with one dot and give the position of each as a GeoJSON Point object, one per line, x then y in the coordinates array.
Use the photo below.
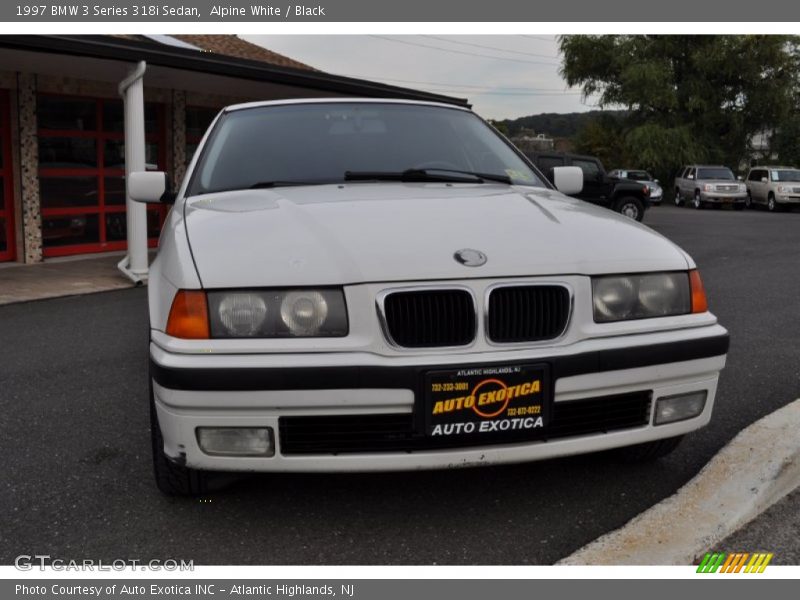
{"type": "Point", "coordinates": [375, 285]}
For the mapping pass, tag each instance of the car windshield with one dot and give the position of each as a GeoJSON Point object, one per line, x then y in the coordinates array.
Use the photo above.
{"type": "Point", "coordinates": [785, 175]}
{"type": "Point", "coordinates": [716, 173]}
{"type": "Point", "coordinates": [315, 143]}
{"type": "Point", "coordinates": [639, 175]}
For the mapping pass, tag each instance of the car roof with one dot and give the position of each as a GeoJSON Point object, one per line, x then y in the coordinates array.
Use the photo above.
{"type": "Point", "coordinates": [339, 100]}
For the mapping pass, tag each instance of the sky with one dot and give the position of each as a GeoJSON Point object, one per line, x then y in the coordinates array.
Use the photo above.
{"type": "Point", "coordinates": [503, 76]}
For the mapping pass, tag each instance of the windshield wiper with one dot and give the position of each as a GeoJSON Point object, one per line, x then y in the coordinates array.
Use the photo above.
{"type": "Point", "coordinates": [279, 183]}
{"type": "Point", "coordinates": [483, 176]}
{"type": "Point", "coordinates": [425, 175]}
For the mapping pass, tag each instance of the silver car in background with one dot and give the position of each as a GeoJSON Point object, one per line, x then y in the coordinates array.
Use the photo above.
{"type": "Point", "coordinates": [640, 176]}
{"type": "Point", "coordinates": [705, 185]}
{"type": "Point", "coordinates": [776, 188]}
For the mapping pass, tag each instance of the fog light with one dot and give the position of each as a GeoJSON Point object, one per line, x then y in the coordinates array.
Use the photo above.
{"type": "Point", "coordinates": [236, 441]}
{"type": "Point", "coordinates": [680, 407]}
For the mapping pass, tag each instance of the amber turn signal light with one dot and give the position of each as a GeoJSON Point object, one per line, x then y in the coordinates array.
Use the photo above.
{"type": "Point", "coordinates": [188, 316]}
{"type": "Point", "coordinates": [699, 302]}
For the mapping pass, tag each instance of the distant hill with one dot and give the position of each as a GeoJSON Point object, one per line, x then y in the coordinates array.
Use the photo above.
{"type": "Point", "coordinates": [556, 125]}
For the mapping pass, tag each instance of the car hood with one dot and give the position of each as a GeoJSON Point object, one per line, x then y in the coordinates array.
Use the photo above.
{"type": "Point", "coordinates": [369, 232]}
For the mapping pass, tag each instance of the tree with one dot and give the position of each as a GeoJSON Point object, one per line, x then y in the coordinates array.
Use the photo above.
{"type": "Point", "coordinates": [603, 137]}
{"type": "Point", "coordinates": [689, 98]}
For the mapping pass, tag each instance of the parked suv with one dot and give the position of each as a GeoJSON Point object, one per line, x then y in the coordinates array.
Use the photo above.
{"type": "Point", "coordinates": [656, 192]}
{"type": "Point", "coordinates": [624, 196]}
{"type": "Point", "coordinates": [704, 185]}
{"type": "Point", "coordinates": [774, 187]}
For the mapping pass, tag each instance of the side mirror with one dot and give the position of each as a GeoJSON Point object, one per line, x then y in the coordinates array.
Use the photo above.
{"type": "Point", "coordinates": [690, 177]}
{"type": "Point", "coordinates": [739, 178]}
{"type": "Point", "coordinates": [656, 181]}
{"type": "Point", "coordinates": [764, 180]}
{"type": "Point", "coordinates": [568, 180]}
{"type": "Point", "coordinates": [150, 187]}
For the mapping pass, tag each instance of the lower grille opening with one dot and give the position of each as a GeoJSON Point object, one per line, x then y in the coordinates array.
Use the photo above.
{"type": "Point", "coordinates": [343, 434]}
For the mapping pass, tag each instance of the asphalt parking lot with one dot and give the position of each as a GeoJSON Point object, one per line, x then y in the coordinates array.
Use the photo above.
{"type": "Point", "coordinates": [74, 438]}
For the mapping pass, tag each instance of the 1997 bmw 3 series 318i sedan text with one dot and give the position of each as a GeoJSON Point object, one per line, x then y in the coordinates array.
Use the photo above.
{"type": "Point", "coordinates": [363, 285]}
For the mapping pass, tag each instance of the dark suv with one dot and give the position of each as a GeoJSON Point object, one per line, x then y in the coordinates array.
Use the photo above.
{"type": "Point", "coordinates": [624, 196]}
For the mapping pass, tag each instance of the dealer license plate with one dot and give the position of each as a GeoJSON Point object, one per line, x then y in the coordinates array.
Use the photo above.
{"type": "Point", "coordinates": [480, 401]}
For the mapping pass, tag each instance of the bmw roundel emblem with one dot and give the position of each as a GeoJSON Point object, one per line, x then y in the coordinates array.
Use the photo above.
{"type": "Point", "coordinates": [470, 258]}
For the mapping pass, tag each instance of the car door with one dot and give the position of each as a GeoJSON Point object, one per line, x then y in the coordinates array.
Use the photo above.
{"type": "Point", "coordinates": [687, 183]}
{"type": "Point", "coordinates": [754, 185]}
{"type": "Point", "coordinates": [594, 183]}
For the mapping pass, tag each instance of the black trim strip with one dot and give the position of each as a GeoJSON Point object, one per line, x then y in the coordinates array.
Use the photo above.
{"type": "Point", "coordinates": [354, 377]}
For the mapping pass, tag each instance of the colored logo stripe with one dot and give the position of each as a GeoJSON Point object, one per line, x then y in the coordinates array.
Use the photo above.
{"type": "Point", "coordinates": [734, 562]}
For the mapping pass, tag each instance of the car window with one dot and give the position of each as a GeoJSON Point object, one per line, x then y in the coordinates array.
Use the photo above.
{"type": "Point", "coordinates": [785, 175]}
{"type": "Point", "coordinates": [639, 175]}
{"type": "Point", "coordinates": [547, 163]}
{"type": "Point", "coordinates": [320, 142]}
{"type": "Point", "coordinates": [715, 173]}
{"type": "Point", "coordinates": [589, 167]}
{"type": "Point", "coordinates": [753, 175]}
{"type": "Point", "coordinates": [690, 171]}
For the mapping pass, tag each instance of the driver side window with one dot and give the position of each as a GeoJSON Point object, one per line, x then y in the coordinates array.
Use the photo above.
{"type": "Point", "coordinates": [589, 168]}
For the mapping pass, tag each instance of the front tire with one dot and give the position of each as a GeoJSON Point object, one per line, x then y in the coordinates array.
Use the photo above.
{"type": "Point", "coordinates": [630, 207]}
{"type": "Point", "coordinates": [748, 202]}
{"type": "Point", "coordinates": [697, 202]}
{"type": "Point", "coordinates": [648, 451]}
{"type": "Point", "coordinates": [772, 206]}
{"type": "Point", "coordinates": [678, 199]}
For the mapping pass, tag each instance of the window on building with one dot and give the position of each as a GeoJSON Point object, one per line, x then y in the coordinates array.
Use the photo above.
{"type": "Point", "coordinates": [6, 179]}
{"type": "Point", "coordinates": [82, 173]}
{"type": "Point", "coordinates": [198, 118]}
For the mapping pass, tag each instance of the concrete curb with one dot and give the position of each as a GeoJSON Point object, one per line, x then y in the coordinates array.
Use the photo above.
{"type": "Point", "coordinates": [757, 468]}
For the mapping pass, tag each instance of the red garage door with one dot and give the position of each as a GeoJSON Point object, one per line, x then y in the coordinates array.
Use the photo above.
{"type": "Point", "coordinates": [82, 169]}
{"type": "Point", "coordinates": [6, 182]}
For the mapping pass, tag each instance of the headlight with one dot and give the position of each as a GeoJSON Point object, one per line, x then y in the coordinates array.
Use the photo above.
{"type": "Point", "coordinates": [742, 187]}
{"type": "Point", "coordinates": [708, 187]}
{"type": "Point", "coordinates": [242, 315]}
{"type": "Point", "coordinates": [277, 313]}
{"type": "Point", "coordinates": [303, 313]}
{"type": "Point", "coordinates": [640, 296]}
{"type": "Point", "coordinates": [784, 189]}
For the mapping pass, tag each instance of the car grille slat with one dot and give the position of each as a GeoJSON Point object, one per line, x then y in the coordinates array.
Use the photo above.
{"type": "Point", "coordinates": [527, 313]}
{"type": "Point", "coordinates": [430, 318]}
{"type": "Point", "coordinates": [338, 434]}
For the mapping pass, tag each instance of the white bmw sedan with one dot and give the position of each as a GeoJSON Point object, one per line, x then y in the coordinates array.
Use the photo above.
{"type": "Point", "coordinates": [371, 285]}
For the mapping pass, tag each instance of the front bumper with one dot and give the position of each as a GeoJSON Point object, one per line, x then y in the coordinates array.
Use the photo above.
{"type": "Point", "coordinates": [787, 199]}
{"type": "Point", "coordinates": [724, 197]}
{"type": "Point", "coordinates": [192, 391]}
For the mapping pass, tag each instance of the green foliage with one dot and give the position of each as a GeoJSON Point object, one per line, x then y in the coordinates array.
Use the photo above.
{"type": "Point", "coordinates": [556, 125]}
{"type": "Point", "coordinates": [603, 138]}
{"type": "Point", "coordinates": [689, 98]}
{"type": "Point", "coordinates": [786, 141]}
{"type": "Point", "coordinates": [501, 126]}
